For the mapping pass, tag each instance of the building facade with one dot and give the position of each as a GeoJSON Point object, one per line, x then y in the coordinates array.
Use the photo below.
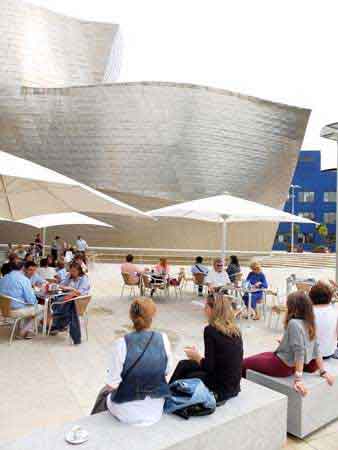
{"type": "Point", "coordinates": [147, 143]}
{"type": "Point", "coordinates": [314, 198]}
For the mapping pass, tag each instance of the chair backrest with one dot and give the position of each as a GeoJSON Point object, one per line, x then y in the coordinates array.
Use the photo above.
{"type": "Point", "coordinates": [127, 278]}
{"type": "Point", "coordinates": [199, 278]}
{"type": "Point", "coordinates": [146, 280]}
{"type": "Point", "coordinates": [81, 304]}
{"type": "Point", "coordinates": [5, 306]}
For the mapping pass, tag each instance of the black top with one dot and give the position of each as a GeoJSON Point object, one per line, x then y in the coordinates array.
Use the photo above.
{"type": "Point", "coordinates": [222, 362]}
{"type": "Point", "coordinates": [232, 271]}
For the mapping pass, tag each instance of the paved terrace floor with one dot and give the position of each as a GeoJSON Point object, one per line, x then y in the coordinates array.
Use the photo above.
{"type": "Point", "coordinates": [47, 381]}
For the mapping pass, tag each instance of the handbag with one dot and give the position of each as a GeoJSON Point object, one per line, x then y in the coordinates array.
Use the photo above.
{"type": "Point", "coordinates": [101, 401]}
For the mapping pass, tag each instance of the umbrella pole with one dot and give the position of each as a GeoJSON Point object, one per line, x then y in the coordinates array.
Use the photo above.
{"type": "Point", "coordinates": [43, 241]}
{"type": "Point", "coordinates": [224, 239]}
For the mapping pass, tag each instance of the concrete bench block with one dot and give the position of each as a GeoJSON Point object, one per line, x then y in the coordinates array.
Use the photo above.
{"type": "Point", "coordinates": [305, 414]}
{"type": "Point", "coordinates": [243, 423]}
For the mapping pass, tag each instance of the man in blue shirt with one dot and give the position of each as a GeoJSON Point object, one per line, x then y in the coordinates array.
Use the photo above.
{"type": "Point", "coordinates": [30, 270]}
{"type": "Point", "coordinates": [24, 303]}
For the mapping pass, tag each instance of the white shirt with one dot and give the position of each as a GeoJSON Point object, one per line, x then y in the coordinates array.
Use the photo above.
{"type": "Point", "coordinates": [326, 318]}
{"type": "Point", "coordinates": [46, 272]}
{"type": "Point", "coordinates": [139, 412]}
{"type": "Point", "coordinates": [217, 279]}
{"type": "Point", "coordinates": [68, 256]}
{"type": "Point", "coordinates": [81, 245]}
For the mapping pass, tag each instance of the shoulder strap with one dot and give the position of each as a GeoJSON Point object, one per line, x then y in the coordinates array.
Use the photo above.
{"type": "Point", "coordinates": [128, 371]}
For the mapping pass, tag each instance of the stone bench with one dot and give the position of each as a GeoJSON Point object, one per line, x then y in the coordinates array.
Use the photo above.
{"type": "Point", "coordinates": [243, 423]}
{"type": "Point", "coordinates": [305, 414]}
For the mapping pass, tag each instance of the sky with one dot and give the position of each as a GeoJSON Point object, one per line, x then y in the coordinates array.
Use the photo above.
{"type": "Point", "coordinates": [280, 51]}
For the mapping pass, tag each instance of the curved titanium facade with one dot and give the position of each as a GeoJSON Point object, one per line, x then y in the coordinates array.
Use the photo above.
{"type": "Point", "coordinates": [41, 48]}
{"type": "Point", "coordinates": [148, 143]}
{"type": "Point", "coordinates": [155, 143]}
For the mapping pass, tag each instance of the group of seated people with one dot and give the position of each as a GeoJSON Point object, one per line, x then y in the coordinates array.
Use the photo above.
{"type": "Point", "coordinates": [219, 277]}
{"type": "Point", "coordinates": [216, 279]}
{"type": "Point", "coordinates": [26, 283]}
{"type": "Point", "coordinates": [140, 363]}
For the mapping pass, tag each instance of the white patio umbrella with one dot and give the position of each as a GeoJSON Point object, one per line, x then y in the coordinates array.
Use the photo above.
{"type": "Point", "coordinates": [226, 209]}
{"type": "Point", "coordinates": [52, 220]}
{"type": "Point", "coordinates": [28, 189]}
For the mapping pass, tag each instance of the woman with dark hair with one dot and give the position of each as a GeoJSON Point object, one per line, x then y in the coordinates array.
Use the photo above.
{"type": "Point", "coordinates": [233, 269]}
{"type": "Point", "coordinates": [136, 382]}
{"type": "Point", "coordinates": [298, 350]}
{"type": "Point", "coordinates": [326, 318]}
{"type": "Point", "coordinates": [76, 281]}
{"type": "Point", "coordinates": [75, 284]}
{"type": "Point", "coordinates": [220, 367]}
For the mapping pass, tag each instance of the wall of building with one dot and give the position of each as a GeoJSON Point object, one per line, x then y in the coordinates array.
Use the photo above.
{"type": "Point", "coordinates": [41, 48]}
{"type": "Point", "coordinates": [149, 143]}
{"type": "Point", "coordinates": [310, 178]}
{"type": "Point", "coordinates": [159, 143]}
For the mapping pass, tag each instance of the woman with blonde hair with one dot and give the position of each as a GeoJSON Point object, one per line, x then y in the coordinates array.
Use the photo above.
{"type": "Point", "coordinates": [220, 368]}
{"type": "Point", "coordinates": [256, 281]}
{"type": "Point", "coordinates": [136, 381]}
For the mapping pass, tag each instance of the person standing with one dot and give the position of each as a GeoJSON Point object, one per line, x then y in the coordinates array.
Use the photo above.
{"type": "Point", "coordinates": [55, 247]}
{"type": "Point", "coordinates": [38, 244]}
{"type": "Point", "coordinates": [81, 244]}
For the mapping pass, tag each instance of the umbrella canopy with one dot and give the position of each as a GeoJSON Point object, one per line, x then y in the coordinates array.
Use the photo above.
{"type": "Point", "coordinates": [229, 208]}
{"type": "Point", "coordinates": [226, 209]}
{"type": "Point", "coordinates": [28, 189]}
{"type": "Point", "coordinates": [52, 220]}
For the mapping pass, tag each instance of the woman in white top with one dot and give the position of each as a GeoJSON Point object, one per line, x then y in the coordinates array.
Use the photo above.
{"type": "Point", "coordinates": [326, 317]}
{"type": "Point", "coordinates": [139, 364]}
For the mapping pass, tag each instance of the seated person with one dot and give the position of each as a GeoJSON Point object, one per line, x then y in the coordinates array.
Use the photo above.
{"type": "Point", "coordinates": [199, 268]}
{"type": "Point", "coordinates": [255, 280]}
{"type": "Point", "coordinates": [217, 277]}
{"type": "Point", "coordinates": [76, 284]}
{"type": "Point", "coordinates": [326, 318]}
{"type": "Point", "coordinates": [45, 271]}
{"type": "Point", "coordinates": [80, 258]}
{"type": "Point", "coordinates": [61, 271]}
{"type": "Point", "coordinates": [50, 261]}
{"type": "Point", "coordinates": [233, 269]}
{"type": "Point", "coordinates": [132, 269]}
{"type": "Point", "coordinates": [162, 268]}
{"type": "Point", "coordinates": [29, 257]}
{"type": "Point", "coordinates": [7, 267]}
{"type": "Point", "coordinates": [16, 285]}
{"type": "Point", "coordinates": [221, 367]}
{"type": "Point", "coordinates": [298, 350]}
{"type": "Point", "coordinates": [30, 270]}
{"type": "Point", "coordinates": [76, 281]}
{"type": "Point", "coordinates": [136, 396]}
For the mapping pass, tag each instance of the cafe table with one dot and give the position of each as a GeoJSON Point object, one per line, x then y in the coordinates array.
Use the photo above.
{"type": "Point", "coordinates": [45, 298]}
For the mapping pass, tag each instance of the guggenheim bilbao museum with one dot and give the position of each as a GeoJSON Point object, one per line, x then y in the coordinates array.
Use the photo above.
{"type": "Point", "coordinates": [148, 143]}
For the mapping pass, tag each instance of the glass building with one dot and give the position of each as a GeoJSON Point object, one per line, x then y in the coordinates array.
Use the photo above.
{"type": "Point", "coordinates": [314, 198]}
